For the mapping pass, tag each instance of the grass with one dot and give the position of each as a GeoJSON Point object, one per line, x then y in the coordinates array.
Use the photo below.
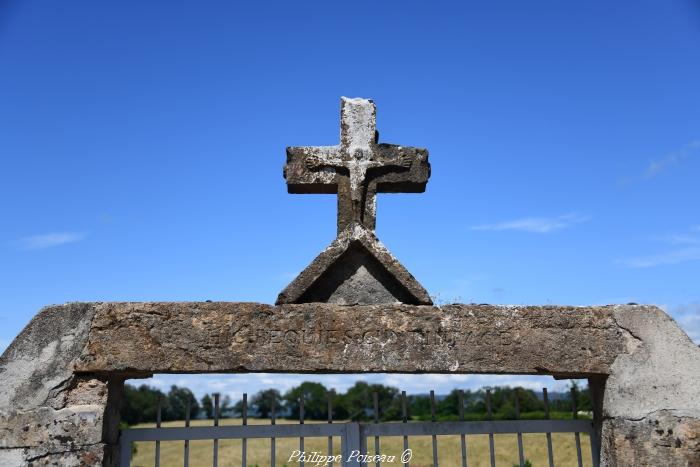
{"type": "Point", "coordinates": [537, 415]}
{"type": "Point", "coordinates": [449, 450]}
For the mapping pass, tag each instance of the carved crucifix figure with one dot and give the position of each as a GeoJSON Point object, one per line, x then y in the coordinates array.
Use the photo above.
{"type": "Point", "coordinates": [358, 168]}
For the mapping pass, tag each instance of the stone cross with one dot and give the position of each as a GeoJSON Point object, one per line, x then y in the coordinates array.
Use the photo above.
{"type": "Point", "coordinates": [358, 168]}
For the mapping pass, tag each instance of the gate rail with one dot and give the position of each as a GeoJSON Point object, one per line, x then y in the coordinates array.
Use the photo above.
{"type": "Point", "coordinates": [354, 435]}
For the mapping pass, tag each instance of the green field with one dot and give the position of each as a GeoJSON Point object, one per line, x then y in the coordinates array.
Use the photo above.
{"type": "Point", "coordinates": [449, 449]}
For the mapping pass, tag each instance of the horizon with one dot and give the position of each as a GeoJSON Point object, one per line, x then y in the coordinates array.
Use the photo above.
{"type": "Point", "coordinates": [142, 147]}
{"type": "Point", "coordinates": [228, 386]}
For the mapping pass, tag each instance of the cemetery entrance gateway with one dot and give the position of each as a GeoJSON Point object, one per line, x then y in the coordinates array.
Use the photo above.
{"type": "Point", "coordinates": [354, 436]}
{"type": "Point", "coordinates": [64, 373]}
{"type": "Point", "coordinates": [357, 269]}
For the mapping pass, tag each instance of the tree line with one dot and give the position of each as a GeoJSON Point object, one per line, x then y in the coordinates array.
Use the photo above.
{"type": "Point", "coordinates": [139, 404]}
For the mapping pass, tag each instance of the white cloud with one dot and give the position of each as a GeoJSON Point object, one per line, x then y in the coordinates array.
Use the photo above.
{"type": "Point", "coordinates": [656, 166]}
{"type": "Point", "coordinates": [681, 239]}
{"type": "Point", "coordinates": [41, 242]}
{"type": "Point", "coordinates": [666, 258]}
{"type": "Point", "coordinates": [690, 251]}
{"type": "Point", "coordinates": [536, 224]}
{"type": "Point", "coordinates": [460, 289]}
{"type": "Point", "coordinates": [688, 317]}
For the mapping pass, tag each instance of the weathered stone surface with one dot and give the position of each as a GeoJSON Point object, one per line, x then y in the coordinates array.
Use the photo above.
{"type": "Point", "coordinates": [51, 429]}
{"type": "Point", "coordinates": [36, 365]}
{"type": "Point", "coordinates": [356, 269]}
{"type": "Point", "coordinates": [12, 457]}
{"type": "Point", "coordinates": [220, 337]}
{"type": "Point", "coordinates": [53, 438]}
{"type": "Point", "coordinates": [658, 439]}
{"type": "Point", "coordinates": [49, 415]}
{"type": "Point", "coordinates": [83, 456]}
{"type": "Point", "coordinates": [654, 372]}
{"type": "Point", "coordinates": [378, 171]}
{"type": "Point", "coordinates": [651, 407]}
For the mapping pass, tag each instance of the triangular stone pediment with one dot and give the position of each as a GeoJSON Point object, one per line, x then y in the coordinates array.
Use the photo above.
{"type": "Point", "coordinates": [356, 269]}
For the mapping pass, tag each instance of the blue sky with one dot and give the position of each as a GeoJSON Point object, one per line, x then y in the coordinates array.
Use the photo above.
{"type": "Point", "coordinates": [141, 147]}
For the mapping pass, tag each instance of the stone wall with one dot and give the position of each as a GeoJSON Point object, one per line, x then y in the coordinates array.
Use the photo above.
{"type": "Point", "coordinates": [49, 414]}
{"type": "Point", "coordinates": [62, 377]}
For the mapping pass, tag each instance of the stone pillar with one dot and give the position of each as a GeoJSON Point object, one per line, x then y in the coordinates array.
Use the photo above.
{"type": "Point", "coordinates": [596, 386]}
{"type": "Point", "coordinates": [50, 415]}
{"type": "Point", "coordinates": [651, 402]}
{"type": "Point", "coordinates": [77, 428]}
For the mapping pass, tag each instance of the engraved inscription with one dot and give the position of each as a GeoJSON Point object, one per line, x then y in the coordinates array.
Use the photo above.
{"type": "Point", "coordinates": [338, 337]}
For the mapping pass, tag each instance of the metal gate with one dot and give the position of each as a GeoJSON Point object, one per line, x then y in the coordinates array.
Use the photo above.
{"type": "Point", "coordinates": [354, 435]}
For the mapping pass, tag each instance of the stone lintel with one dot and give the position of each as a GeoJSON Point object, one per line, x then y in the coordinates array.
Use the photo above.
{"type": "Point", "coordinates": [326, 338]}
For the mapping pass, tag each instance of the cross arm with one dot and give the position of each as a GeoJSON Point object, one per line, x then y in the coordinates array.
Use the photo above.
{"type": "Point", "coordinates": [299, 176]}
{"type": "Point", "coordinates": [401, 161]}
{"type": "Point", "coordinates": [412, 180]}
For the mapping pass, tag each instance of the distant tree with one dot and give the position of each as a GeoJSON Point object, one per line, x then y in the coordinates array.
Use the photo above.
{"type": "Point", "coordinates": [315, 401]}
{"type": "Point", "coordinates": [564, 404]}
{"type": "Point", "coordinates": [237, 409]}
{"type": "Point", "coordinates": [419, 406]}
{"type": "Point", "coordinates": [262, 402]}
{"type": "Point", "coordinates": [529, 402]}
{"type": "Point", "coordinates": [448, 407]}
{"type": "Point", "coordinates": [139, 404]}
{"type": "Point", "coordinates": [503, 401]}
{"type": "Point", "coordinates": [226, 409]}
{"type": "Point", "coordinates": [358, 402]}
{"type": "Point", "coordinates": [208, 406]}
{"type": "Point", "coordinates": [582, 397]}
{"type": "Point", "coordinates": [177, 404]}
{"type": "Point", "coordinates": [340, 411]}
{"type": "Point", "coordinates": [506, 410]}
{"type": "Point", "coordinates": [476, 402]}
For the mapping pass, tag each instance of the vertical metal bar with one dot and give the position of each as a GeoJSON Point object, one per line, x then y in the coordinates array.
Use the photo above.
{"type": "Point", "coordinates": [272, 422]}
{"type": "Point", "coordinates": [595, 448]}
{"type": "Point", "coordinates": [345, 445]}
{"type": "Point", "coordinates": [550, 451]}
{"type": "Point", "coordinates": [244, 441]}
{"type": "Point", "coordinates": [124, 451]}
{"type": "Point", "coordinates": [375, 398]}
{"type": "Point", "coordinates": [351, 442]}
{"type": "Point", "coordinates": [363, 443]}
{"type": "Point", "coordinates": [216, 423]}
{"type": "Point", "coordinates": [301, 422]}
{"type": "Point", "coordinates": [463, 439]}
{"type": "Point", "coordinates": [187, 441]}
{"type": "Point", "coordinates": [329, 394]}
{"type": "Point", "coordinates": [579, 457]}
{"type": "Point", "coordinates": [158, 419]}
{"type": "Point", "coordinates": [577, 436]}
{"type": "Point", "coordinates": [492, 448]}
{"type": "Point", "coordinates": [432, 417]}
{"type": "Point", "coordinates": [404, 414]}
{"type": "Point", "coordinates": [521, 453]}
